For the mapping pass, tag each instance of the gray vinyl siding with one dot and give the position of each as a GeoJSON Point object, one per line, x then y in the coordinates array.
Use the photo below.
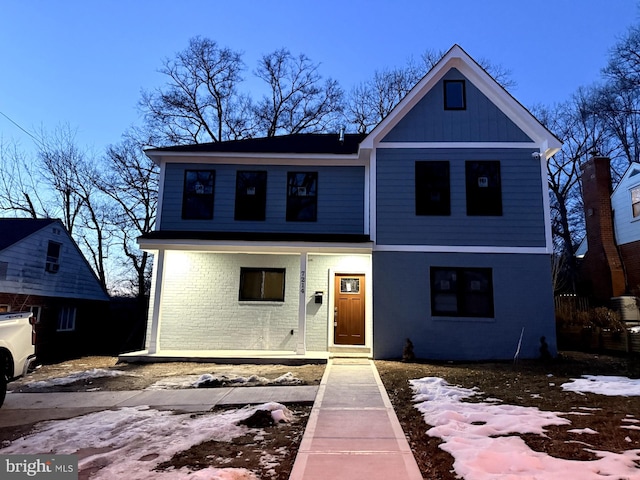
{"type": "Point", "coordinates": [482, 121]}
{"type": "Point", "coordinates": [340, 200]}
{"type": "Point", "coordinates": [521, 224]}
{"type": "Point", "coordinates": [523, 298]}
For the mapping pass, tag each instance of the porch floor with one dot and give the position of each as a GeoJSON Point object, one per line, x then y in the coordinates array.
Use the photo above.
{"type": "Point", "coordinates": [225, 356]}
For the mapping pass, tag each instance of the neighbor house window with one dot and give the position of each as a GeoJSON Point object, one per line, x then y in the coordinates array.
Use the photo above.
{"type": "Point", "coordinates": [251, 195]}
{"type": "Point", "coordinates": [262, 284]}
{"type": "Point", "coordinates": [5, 308]}
{"type": "Point", "coordinates": [302, 196]}
{"type": "Point", "coordinates": [197, 199]}
{"type": "Point", "coordinates": [66, 319]}
{"type": "Point", "coordinates": [4, 268]}
{"type": "Point", "coordinates": [461, 292]}
{"type": "Point", "coordinates": [635, 201]}
{"type": "Point", "coordinates": [455, 97]}
{"type": "Point", "coordinates": [53, 257]}
{"type": "Point", "coordinates": [433, 195]}
{"type": "Point", "coordinates": [484, 190]}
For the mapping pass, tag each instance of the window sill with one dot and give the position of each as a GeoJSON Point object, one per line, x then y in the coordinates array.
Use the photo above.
{"type": "Point", "coordinates": [440, 318]}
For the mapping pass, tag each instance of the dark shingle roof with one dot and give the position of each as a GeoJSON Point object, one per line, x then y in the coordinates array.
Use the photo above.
{"type": "Point", "coordinates": [297, 143]}
{"type": "Point", "coordinates": [13, 230]}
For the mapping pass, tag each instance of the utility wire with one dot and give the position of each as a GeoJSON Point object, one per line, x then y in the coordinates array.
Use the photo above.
{"type": "Point", "coordinates": [37, 140]}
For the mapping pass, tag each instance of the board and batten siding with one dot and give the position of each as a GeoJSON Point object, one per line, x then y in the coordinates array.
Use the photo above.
{"type": "Point", "coordinates": [340, 200]}
{"type": "Point", "coordinates": [26, 272]}
{"type": "Point", "coordinates": [523, 298]}
{"type": "Point", "coordinates": [522, 223]}
{"type": "Point", "coordinates": [481, 121]}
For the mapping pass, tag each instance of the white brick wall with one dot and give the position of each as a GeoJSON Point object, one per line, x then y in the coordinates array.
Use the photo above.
{"type": "Point", "coordinates": [201, 310]}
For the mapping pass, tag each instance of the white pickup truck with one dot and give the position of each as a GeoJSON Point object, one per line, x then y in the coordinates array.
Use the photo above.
{"type": "Point", "coordinates": [17, 347]}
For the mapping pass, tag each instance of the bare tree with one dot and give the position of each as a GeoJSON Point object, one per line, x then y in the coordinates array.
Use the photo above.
{"type": "Point", "coordinates": [197, 103]}
{"type": "Point", "coordinates": [298, 100]}
{"type": "Point", "coordinates": [18, 187]}
{"type": "Point", "coordinates": [131, 181]}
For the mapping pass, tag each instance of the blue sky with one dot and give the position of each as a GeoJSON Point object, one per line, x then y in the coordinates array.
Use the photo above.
{"type": "Point", "coordinates": [85, 62]}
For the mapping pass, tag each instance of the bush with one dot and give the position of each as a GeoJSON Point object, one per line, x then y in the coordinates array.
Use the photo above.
{"type": "Point", "coordinates": [600, 317]}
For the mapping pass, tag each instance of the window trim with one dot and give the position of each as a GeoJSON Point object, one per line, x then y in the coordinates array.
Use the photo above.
{"type": "Point", "coordinates": [446, 83]}
{"type": "Point", "coordinates": [461, 294]}
{"type": "Point", "coordinates": [241, 294]}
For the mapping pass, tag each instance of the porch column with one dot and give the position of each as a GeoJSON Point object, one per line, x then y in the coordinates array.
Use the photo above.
{"type": "Point", "coordinates": [154, 337]}
{"type": "Point", "coordinates": [302, 306]}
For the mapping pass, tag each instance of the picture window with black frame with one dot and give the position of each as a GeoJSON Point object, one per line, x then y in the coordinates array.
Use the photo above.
{"type": "Point", "coordinates": [262, 284]}
{"type": "Point", "coordinates": [433, 192]}
{"type": "Point", "coordinates": [455, 95]}
{"type": "Point", "coordinates": [484, 188]}
{"type": "Point", "coordinates": [197, 200]}
{"type": "Point", "coordinates": [302, 196]}
{"type": "Point", "coordinates": [251, 195]}
{"type": "Point", "coordinates": [462, 292]}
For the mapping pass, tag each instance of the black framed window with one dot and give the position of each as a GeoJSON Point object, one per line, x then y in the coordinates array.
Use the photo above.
{"type": "Point", "coordinates": [433, 193]}
{"type": "Point", "coordinates": [262, 284]}
{"type": "Point", "coordinates": [462, 292]}
{"type": "Point", "coordinates": [455, 95]}
{"type": "Point", "coordinates": [251, 195]}
{"type": "Point", "coordinates": [197, 196]}
{"type": "Point", "coordinates": [302, 196]}
{"type": "Point", "coordinates": [484, 188]}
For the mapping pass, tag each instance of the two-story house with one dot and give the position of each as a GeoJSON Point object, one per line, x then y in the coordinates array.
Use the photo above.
{"type": "Point", "coordinates": [434, 227]}
{"type": "Point", "coordinates": [42, 270]}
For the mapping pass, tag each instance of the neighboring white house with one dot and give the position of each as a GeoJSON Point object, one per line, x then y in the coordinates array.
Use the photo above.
{"type": "Point", "coordinates": [43, 270]}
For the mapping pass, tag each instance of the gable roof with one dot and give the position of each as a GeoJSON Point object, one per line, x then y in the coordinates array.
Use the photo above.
{"type": "Point", "coordinates": [457, 58]}
{"type": "Point", "coordinates": [13, 230]}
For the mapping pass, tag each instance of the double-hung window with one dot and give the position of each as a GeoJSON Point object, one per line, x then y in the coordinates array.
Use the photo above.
{"type": "Point", "coordinates": [433, 193]}
{"type": "Point", "coordinates": [197, 197]}
{"type": "Point", "coordinates": [251, 195]}
{"type": "Point", "coordinates": [53, 257]}
{"type": "Point", "coordinates": [484, 189]}
{"type": "Point", "coordinates": [302, 196]}
{"type": "Point", "coordinates": [66, 319]}
{"type": "Point", "coordinates": [462, 292]}
{"type": "Point", "coordinates": [635, 201]}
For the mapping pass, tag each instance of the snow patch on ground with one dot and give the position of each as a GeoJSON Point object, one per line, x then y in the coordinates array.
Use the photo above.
{"type": "Point", "coordinates": [221, 380]}
{"type": "Point", "coordinates": [130, 442]}
{"type": "Point", "coordinates": [604, 385]}
{"type": "Point", "coordinates": [483, 438]}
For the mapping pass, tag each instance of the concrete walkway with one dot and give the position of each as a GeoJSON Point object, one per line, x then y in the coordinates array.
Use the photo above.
{"type": "Point", "coordinates": [24, 408]}
{"type": "Point", "coordinates": [353, 432]}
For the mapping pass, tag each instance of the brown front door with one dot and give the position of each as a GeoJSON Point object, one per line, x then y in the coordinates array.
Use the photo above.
{"type": "Point", "coordinates": [348, 320]}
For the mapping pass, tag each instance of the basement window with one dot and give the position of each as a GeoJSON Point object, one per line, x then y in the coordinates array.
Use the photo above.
{"type": "Point", "coordinates": [261, 284]}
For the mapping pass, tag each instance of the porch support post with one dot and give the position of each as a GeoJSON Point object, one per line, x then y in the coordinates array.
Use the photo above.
{"type": "Point", "coordinates": [302, 306]}
{"type": "Point", "coordinates": [154, 337]}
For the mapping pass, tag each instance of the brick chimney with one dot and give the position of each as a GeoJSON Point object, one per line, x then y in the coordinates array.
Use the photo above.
{"type": "Point", "coordinates": [602, 266]}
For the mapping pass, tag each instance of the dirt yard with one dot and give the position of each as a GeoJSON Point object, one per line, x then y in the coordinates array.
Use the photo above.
{"type": "Point", "coordinates": [528, 383]}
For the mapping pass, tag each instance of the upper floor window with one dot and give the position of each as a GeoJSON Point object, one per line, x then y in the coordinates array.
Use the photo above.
{"type": "Point", "coordinates": [433, 195]}
{"type": "Point", "coordinates": [197, 200]}
{"type": "Point", "coordinates": [635, 201]}
{"type": "Point", "coordinates": [251, 195]}
{"type": "Point", "coordinates": [302, 196]}
{"type": "Point", "coordinates": [262, 284]}
{"type": "Point", "coordinates": [462, 292]}
{"type": "Point", "coordinates": [455, 95]}
{"type": "Point", "coordinates": [53, 257]}
{"type": "Point", "coordinates": [484, 190]}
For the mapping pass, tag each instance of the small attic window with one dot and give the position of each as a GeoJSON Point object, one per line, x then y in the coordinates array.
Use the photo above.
{"type": "Point", "coordinates": [455, 95]}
